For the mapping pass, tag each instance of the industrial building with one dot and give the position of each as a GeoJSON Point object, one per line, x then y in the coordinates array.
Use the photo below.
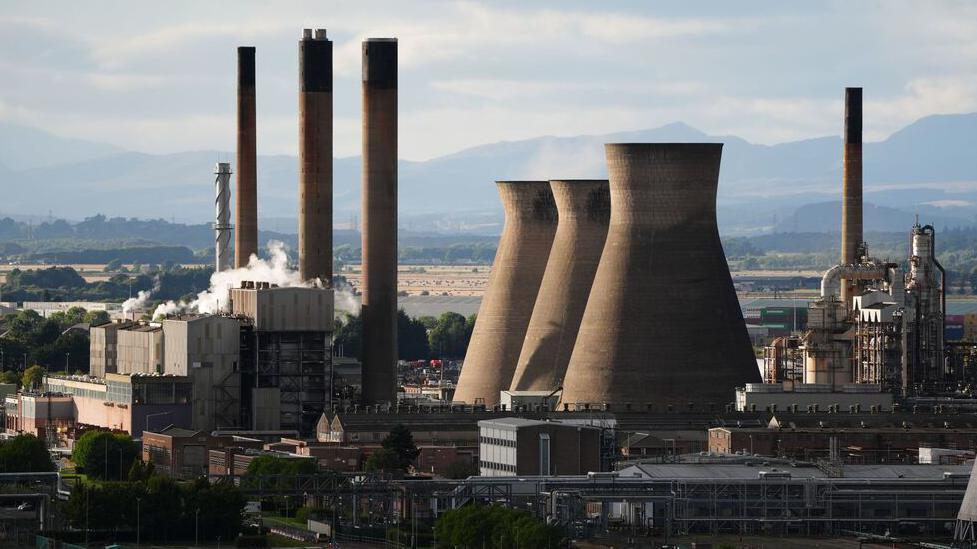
{"type": "Point", "coordinates": [517, 446]}
{"type": "Point", "coordinates": [874, 323]}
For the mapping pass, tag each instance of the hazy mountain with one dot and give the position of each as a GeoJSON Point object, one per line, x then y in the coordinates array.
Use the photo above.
{"type": "Point", "coordinates": [24, 148]}
{"type": "Point", "coordinates": [928, 167]}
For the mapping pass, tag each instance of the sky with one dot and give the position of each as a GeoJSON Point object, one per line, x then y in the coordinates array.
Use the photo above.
{"type": "Point", "coordinates": [160, 76]}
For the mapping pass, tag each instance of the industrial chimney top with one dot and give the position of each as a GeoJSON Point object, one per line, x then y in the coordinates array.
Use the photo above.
{"type": "Point", "coordinates": [314, 34]}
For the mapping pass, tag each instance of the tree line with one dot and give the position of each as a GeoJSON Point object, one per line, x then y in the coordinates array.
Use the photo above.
{"type": "Point", "coordinates": [422, 338]}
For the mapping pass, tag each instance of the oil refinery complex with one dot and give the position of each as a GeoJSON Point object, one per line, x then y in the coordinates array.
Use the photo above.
{"type": "Point", "coordinates": [611, 376]}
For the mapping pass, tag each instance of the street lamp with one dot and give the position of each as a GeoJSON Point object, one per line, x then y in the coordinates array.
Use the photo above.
{"type": "Point", "coordinates": [196, 528]}
{"type": "Point", "coordinates": [138, 532]}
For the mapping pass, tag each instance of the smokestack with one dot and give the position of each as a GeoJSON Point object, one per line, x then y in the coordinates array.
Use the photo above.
{"type": "Point", "coordinates": [222, 222]}
{"type": "Point", "coordinates": [584, 207]}
{"type": "Point", "coordinates": [662, 324]}
{"type": "Point", "coordinates": [379, 263]}
{"type": "Point", "coordinates": [315, 157]}
{"type": "Point", "coordinates": [851, 206]}
{"type": "Point", "coordinates": [524, 247]}
{"type": "Point", "coordinates": [246, 237]}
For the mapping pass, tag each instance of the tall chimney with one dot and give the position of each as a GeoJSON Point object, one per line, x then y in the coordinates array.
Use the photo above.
{"type": "Point", "coordinates": [379, 312]}
{"type": "Point", "coordinates": [222, 221]}
{"type": "Point", "coordinates": [583, 208]}
{"type": "Point", "coordinates": [315, 157]}
{"type": "Point", "coordinates": [851, 205]}
{"type": "Point", "coordinates": [662, 324]}
{"type": "Point", "coordinates": [514, 282]}
{"type": "Point", "coordinates": [246, 237]}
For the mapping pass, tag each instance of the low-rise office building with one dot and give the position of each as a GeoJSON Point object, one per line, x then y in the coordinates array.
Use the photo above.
{"type": "Point", "coordinates": [517, 446]}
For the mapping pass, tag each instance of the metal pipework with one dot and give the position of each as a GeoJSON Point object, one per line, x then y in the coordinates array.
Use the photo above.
{"type": "Point", "coordinates": [246, 213]}
{"type": "Point", "coordinates": [584, 208]}
{"type": "Point", "coordinates": [222, 222]}
{"type": "Point", "coordinates": [852, 239]}
{"type": "Point", "coordinates": [662, 286]}
{"type": "Point", "coordinates": [315, 157]}
{"type": "Point", "coordinates": [379, 210]}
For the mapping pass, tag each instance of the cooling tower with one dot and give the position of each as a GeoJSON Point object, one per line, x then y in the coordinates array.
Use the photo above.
{"type": "Point", "coordinates": [662, 324]}
{"type": "Point", "coordinates": [315, 157]}
{"type": "Point", "coordinates": [965, 532]}
{"type": "Point", "coordinates": [246, 212]}
{"type": "Point", "coordinates": [530, 225]}
{"type": "Point", "coordinates": [379, 312]}
{"type": "Point", "coordinates": [584, 207]}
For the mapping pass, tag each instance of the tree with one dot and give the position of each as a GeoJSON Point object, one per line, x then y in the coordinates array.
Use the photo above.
{"type": "Point", "coordinates": [96, 318]}
{"type": "Point", "coordinates": [496, 527]}
{"type": "Point", "coordinates": [412, 342]}
{"type": "Point", "coordinates": [348, 336]}
{"type": "Point", "coordinates": [449, 336]}
{"type": "Point", "coordinates": [383, 459]}
{"type": "Point", "coordinates": [113, 266]}
{"type": "Point", "coordinates": [33, 377]}
{"type": "Point", "coordinates": [274, 465]}
{"type": "Point", "coordinates": [24, 454]}
{"type": "Point", "coordinates": [104, 455]}
{"type": "Point", "coordinates": [400, 441]}
{"type": "Point", "coordinates": [10, 377]}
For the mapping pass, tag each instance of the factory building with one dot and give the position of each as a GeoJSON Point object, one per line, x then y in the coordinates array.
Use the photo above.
{"type": "Point", "coordinates": [873, 323]}
{"type": "Point", "coordinates": [139, 349]}
{"type": "Point", "coordinates": [286, 355]}
{"type": "Point", "coordinates": [517, 446]}
{"type": "Point", "coordinates": [103, 344]}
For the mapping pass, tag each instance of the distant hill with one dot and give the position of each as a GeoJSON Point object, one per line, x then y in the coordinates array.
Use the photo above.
{"type": "Point", "coordinates": [927, 167]}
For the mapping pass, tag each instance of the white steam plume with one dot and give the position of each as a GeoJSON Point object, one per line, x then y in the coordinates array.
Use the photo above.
{"type": "Point", "coordinates": [274, 270]}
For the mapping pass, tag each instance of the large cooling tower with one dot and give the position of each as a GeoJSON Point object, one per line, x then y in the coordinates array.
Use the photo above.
{"type": "Point", "coordinates": [662, 324]}
{"type": "Point", "coordinates": [965, 532]}
{"type": "Point", "coordinates": [246, 233]}
{"type": "Point", "coordinates": [315, 156]}
{"type": "Point", "coordinates": [530, 223]}
{"type": "Point", "coordinates": [584, 207]}
{"type": "Point", "coordinates": [379, 312]}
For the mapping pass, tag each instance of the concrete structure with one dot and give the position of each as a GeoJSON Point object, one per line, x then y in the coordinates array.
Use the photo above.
{"type": "Point", "coordinates": [965, 532]}
{"type": "Point", "coordinates": [222, 219]}
{"type": "Point", "coordinates": [379, 210]}
{"type": "Point", "coordinates": [785, 395]}
{"type": "Point", "coordinates": [515, 446]}
{"type": "Point", "coordinates": [852, 240]}
{"type": "Point", "coordinates": [246, 212]}
{"type": "Point", "coordinates": [507, 306]}
{"type": "Point", "coordinates": [528, 400]}
{"type": "Point", "coordinates": [103, 348]}
{"type": "Point", "coordinates": [662, 324]}
{"type": "Point", "coordinates": [286, 355]}
{"type": "Point", "coordinates": [584, 208]}
{"type": "Point", "coordinates": [140, 349]}
{"type": "Point", "coordinates": [207, 350]}
{"type": "Point", "coordinates": [315, 157]}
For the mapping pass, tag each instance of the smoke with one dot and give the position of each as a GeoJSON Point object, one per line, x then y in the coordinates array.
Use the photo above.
{"type": "Point", "coordinates": [137, 303]}
{"type": "Point", "coordinates": [346, 301]}
{"type": "Point", "coordinates": [215, 299]}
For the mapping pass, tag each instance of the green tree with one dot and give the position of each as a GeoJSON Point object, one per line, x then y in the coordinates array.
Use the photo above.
{"type": "Point", "coordinates": [11, 377]}
{"type": "Point", "coordinates": [383, 459]}
{"type": "Point", "coordinates": [450, 335]}
{"type": "Point", "coordinates": [400, 441]}
{"type": "Point", "coordinates": [96, 318]}
{"type": "Point", "coordinates": [24, 454]}
{"type": "Point", "coordinates": [104, 455]}
{"type": "Point", "coordinates": [113, 266]}
{"type": "Point", "coordinates": [412, 342]}
{"type": "Point", "coordinates": [348, 336]}
{"type": "Point", "coordinates": [496, 527]}
{"type": "Point", "coordinates": [33, 377]}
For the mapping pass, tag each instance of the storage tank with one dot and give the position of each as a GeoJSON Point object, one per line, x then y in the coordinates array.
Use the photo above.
{"type": "Point", "coordinates": [584, 207]}
{"type": "Point", "coordinates": [524, 247]}
{"type": "Point", "coordinates": [662, 324]}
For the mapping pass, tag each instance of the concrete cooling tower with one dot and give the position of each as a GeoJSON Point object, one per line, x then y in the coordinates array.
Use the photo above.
{"type": "Point", "coordinates": [584, 208]}
{"type": "Point", "coordinates": [662, 325]}
{"type": "Point", "coordinates": [530, 224]}
{"type": "Point", "coordinates": [965, 532]}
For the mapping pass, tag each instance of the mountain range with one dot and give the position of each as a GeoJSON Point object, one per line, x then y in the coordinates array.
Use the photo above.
{"type": "Point", "coordinates": [927, 168]}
